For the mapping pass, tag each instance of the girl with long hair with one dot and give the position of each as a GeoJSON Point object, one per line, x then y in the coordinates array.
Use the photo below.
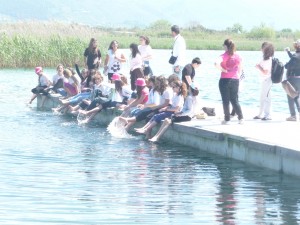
{"type": "Point", "coordinates": [136, 65]}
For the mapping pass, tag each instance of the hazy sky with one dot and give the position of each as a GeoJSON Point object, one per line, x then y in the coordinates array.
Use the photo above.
{"type": "Point", "coordinates": [215, 14]}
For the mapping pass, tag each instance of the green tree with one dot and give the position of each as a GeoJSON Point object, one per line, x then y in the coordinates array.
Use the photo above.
{"type": "Point", "coordinates": [262, 32]}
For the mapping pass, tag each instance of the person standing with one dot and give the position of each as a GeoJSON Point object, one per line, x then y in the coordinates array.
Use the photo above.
{"type": "Point", "coordinates": [136, 64]}
{"type": "Point", "coordinates": [188, 72]}
{"type": "Point", "coordinates": [113, 61]}
{"type": "Point", "coordinates": [265, 67]}
{"type": "Point", "coordinates": [146, 53]}
{"type": "Point", "coordinates": [293, 76]}
{"type": "Point", "coordinates": [230, 64]}
{"type": "Point", "coordinates": [178, 52]}
{"type": "Point", "coordinates": [92, 55]}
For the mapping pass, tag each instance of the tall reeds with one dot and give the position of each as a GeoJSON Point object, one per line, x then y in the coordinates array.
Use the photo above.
{"type": "Point", "coordinates": [27, 44]}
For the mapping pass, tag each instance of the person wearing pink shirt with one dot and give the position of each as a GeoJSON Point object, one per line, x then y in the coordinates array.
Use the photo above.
{"type": "Point", "coordinates": [230, 64]}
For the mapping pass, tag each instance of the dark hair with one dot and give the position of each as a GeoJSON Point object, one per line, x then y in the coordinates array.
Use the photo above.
{"type": "Point", "coordinates": [182, 88]}
{"type": "Point", "coordinates": [196, 60]}
{"type": "Point", "coordinates": [152, 79]}
{"type": "Point", "coordinates": [268, 50]}
{"type": "Point", "coordinates": [172, 78]}
{"type": "Point", "coordinates": [118, 86]}
{"type": "Point", "coordinates": [175, 29]}
{"type": "Point", "coordinates": [134, 50]}
{"type": "Point", "coordinates": [161, 84]}
{"type": "Point", "coordinates": [230, 46]}
{"type": "Point", "coordinates": [195, 91]}
{"type": "Point", "coordinates": [147, 41]}
{"type": "Point", "coordinates": [139, 91]}
{"type": "Point", "coordinates": [110, 47]}
{"type": "Point", "coordinates": [91, 48]}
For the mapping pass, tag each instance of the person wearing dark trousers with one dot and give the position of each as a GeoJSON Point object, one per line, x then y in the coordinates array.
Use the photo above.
{"type": "Point", "coordinates": [293, 76]}
{"type": "Point", "coordinates": [230, 64]}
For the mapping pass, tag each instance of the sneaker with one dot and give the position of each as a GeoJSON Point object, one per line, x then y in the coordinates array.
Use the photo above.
{"type": "Point", "coordinates": [224, 122]}
{"type": "Point", "coordinates": [241, 121]}
{"type": "Point", "coordinates": [266, 118]}
{"type": "Point", "coordinates": [291, 118]}
{"type": "Point", "coordinates": [257, 117]}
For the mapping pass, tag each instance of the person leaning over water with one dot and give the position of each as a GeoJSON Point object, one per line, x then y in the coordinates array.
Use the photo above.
{"type": "Point", "coordinates": [230, 64]}
{"type": "Point", "coordinates": [265, 67]}
{"type": "Point", "coordinates": [293, 76]}
{"type": "Point", "coordinates": [179, 51]}
{"type": "Point", "coordinates": [188, 72]}
{"type": "Point", "coordinates": [146, 53]}
{"type": "Point", "coordinates": [43, 83]}
{"type": "Point", "coordinates": [114, 59]}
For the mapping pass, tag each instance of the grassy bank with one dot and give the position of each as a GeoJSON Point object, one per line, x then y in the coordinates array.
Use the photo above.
{"type": "Point", "coordinates": [27, 44]}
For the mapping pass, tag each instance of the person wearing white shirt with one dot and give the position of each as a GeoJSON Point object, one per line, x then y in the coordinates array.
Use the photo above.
{"type": "Point", "coordinates": [146, 53]}
{"type": "Point", "coordinates": [265, 67]}
{"type": "Point", "coordinates": [179, 51]}
{"type": "Point", "coordinates": [136, 65]}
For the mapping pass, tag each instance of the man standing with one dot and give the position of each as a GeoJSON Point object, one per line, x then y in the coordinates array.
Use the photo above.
{"type": "Point", "coordinates": [178, 52]}
{"type": "Point", "coordinates": [188, 72]}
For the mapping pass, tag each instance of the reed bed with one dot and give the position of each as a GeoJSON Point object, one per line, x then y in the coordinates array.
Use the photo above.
{"type": "Point", "coordinates": [31, 43]}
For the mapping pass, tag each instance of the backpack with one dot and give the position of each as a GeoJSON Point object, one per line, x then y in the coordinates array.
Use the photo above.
{"type": "Point", "coordinates": [277, 71]}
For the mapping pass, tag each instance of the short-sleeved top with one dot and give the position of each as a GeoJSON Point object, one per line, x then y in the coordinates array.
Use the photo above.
{"type": "Point", "coordinates": [91, 57]}
{"type": "Point", "coordinates": [145, 51]}
{"type": "Point", "coordinates": [266, 65]}
{"type": "Point", "coordinates": [154, 97]}
{"type": "Point", "coordinates": [168, 94]}
{"type": "Point", "coordinates": [126, 92]}
{"type": "Point", "coordinates": [136, 62]}
{"type": "Point", "coordinates": [231, 63]}
{"type": "Point", "coordinates": [43, 80]}
{"type": "Point", "coordinates": [114, 65]}
{"type": "Point", "coordinates": [145, 92]}
{"type": "Point", "coordinates": [189, 106]}
{"type": "Point", "coordinates": [56, 77]}
{"type": "Point", "coordinates": [177, 101]}
{"type": "Point", "coordinates": [188, 70]}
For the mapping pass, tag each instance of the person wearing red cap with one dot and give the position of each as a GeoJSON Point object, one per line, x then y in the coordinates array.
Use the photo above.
{"type": "Point", "coordinates": [43, 83]}
{"type": "Point", "coordinates": [142, 93]}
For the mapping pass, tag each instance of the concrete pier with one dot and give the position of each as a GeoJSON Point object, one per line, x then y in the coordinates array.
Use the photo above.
{"type": "Point", "coordinates": [271, 144]}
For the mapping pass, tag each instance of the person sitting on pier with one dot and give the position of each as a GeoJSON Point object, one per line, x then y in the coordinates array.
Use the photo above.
{"type": "Point", "coordinates": [57, 79]}
{"type": "Point", "coordinates": [142, 111]}
{"type": "Point", "coordinates": [180, 92]}
{"type": "Point", "coordinates": [71, 84]}
{"type": "Point", "coordinates": [120, 96]}
{"type": "Point", "coordinates": [43, 84]}
{"type": "Point", "coordinates": [186, 114]}
{"type": "Point", "coordinates": [142, 93]}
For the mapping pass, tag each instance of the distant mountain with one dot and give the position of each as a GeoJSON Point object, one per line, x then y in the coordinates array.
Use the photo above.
{"type": "Point", "coordinates": [213, 14]}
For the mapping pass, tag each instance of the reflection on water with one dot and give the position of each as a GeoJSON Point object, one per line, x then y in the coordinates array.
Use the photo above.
{"type": "Point", "coordinates": [56, 172]}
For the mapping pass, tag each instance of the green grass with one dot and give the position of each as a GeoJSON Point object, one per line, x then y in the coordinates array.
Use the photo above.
{"type": "Point", "coordinates": [28, 44]}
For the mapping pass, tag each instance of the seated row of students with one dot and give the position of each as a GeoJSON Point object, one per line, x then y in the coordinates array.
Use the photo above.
{"type": "Point", "coordinates": [166, 98]}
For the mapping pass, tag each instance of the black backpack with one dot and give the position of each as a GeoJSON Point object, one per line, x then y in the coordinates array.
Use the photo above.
{"type": "Point", "coordinates": [277, 71]}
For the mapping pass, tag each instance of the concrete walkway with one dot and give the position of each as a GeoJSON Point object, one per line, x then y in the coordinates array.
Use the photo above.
{"type": "Point", "coordinates": [271, 144]}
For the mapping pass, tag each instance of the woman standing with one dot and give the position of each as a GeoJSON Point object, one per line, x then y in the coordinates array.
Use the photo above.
{"type": "Point", "coordinates": [230, 64]}
{"type": "Point", "coordinates": [146, 53]}
{"type": "Point", "coordinates": [113, 61]}
{"type": "Point", "coordinates": [265, 67]}
{"type": "Point", "coordinates": [136, 65]}
{"type": "Point", "coordinates": [92, 55]}
{"type": "Point", "coordinates": [293, 76]}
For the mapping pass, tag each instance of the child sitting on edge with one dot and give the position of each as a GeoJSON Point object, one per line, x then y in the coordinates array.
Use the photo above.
{"type": "Point", "coordinates": [180, 92]}
{"type": "Point", "coordinates": [43, 83]}
{"type": "Point", "coordinates": [186, 114]}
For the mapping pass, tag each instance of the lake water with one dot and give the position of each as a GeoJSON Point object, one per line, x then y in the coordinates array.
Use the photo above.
{"type": "Point", "coordinates": [56, 172]}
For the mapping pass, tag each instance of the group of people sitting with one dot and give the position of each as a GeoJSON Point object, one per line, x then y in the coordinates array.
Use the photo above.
{"type": "Point", "coordinates": [155, 99]}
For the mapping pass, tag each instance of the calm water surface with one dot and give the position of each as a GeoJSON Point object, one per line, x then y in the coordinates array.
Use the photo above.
{"type": "Point", "coordinates": [56, 172]}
